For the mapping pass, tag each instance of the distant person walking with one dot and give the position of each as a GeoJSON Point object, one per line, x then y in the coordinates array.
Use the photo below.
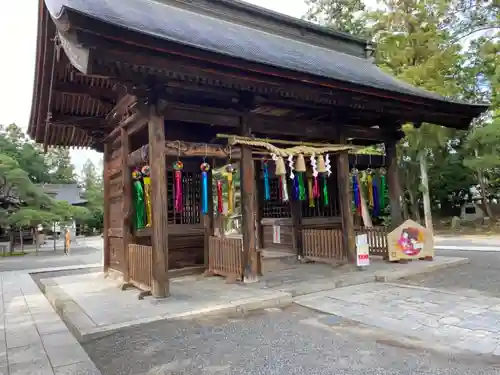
{"type": "Point", "coordinates": [67, 241]}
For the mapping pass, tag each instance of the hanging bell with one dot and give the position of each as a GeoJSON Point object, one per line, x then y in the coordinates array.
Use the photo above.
{"type": "Point", "coordinates": [280, 167]}
{"type": "Point", "coordinates": [300, 164]}
{"type": "Point", "coordinates": [321, 164]}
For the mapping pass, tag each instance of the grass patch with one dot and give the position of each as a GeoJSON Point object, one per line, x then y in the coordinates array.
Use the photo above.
{"type": "Point", "coordinates": [13, 254]}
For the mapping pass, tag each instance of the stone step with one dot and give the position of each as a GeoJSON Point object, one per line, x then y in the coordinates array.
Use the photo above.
{"type": "Point", "coordinates": [273, 261]}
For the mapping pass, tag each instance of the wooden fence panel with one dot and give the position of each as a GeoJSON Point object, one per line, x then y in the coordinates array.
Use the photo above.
{"type": "Point", "coordinates": [225, 256]}
{"type": "Point", "coordinates": [140, 263]}
{"type": "Point", "coordinates": [323, 244]}
{"type": "Point", "coordinates": [377, 240]}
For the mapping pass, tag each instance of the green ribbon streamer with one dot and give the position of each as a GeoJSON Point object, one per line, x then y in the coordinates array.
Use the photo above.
{"type": "Point", "coordinates": [302, 189]}
{"type": "Point", "coordinates": [140, 216]}
{"type": "Point", "coordinates": [325, 191]}
{"type": "Point", "coordinates": [383, 188]}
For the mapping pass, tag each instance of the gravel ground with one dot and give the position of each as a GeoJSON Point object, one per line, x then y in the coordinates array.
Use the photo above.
{"type": "Point", "coordinates": [481, 274]}
{"type": "Point", "coordinates": [273, 341]}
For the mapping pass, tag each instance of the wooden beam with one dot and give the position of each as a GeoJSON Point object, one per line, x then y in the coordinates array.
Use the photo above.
{"type": "Point", "coordinates": [156, 131]}
{"type": "Point", "coordinates": [268, 124]}
{"type": "Point", "coordinates": [345, 206]}
{"type": "Point", "coordinates": [250, 255]}
{"type": "Point", "coordinates": [93, 91]}
{"type": "Point", "coordinates": [126, 201]}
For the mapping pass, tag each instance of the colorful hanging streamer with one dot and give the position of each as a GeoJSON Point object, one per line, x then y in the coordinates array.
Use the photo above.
{"type": "Point", "coordinates": [376, 198]}
{"type": "Point", "coordinates": [178, 201]}
{"type": "Point", "coordinates": [296, 189]}
{"type": "Point", "coordinates": [325, 190]}
{"type": "Point", "coordinates": [302, 189]}
{"type": "Point", "coordinates": [356, 192]}
{"type": "Point", "coordinates": [230, 190]}
{"type": "Point", "coordinates": [284, 189]}
{"type": "Point", "coordinates": [267, 192]}
{"type": "Point", "coordinates": [220, 203]}
{"type": "Point", "coordinates": [383, 189]}
{"type": "Point", "coordinates": [310, 192]}
{"type": "Point", "coordinates": [205, 168]}
{"type": "Point", "coordinates": [138, 200]}
{"type": "Point", "coordinates": [146, 172]}
{"type": "Point", "coordinates": [369, 182]}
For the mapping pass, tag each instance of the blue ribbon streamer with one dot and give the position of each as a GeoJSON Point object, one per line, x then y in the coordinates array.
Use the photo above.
{"type": "Point", "coordinates": [296, 187]}
{"type": "Point", "coordinates": [355, 191]}
{"type": "Point", "coordinates": [204, 192]}
{"type": "Point", "coordinates": [267, 193]}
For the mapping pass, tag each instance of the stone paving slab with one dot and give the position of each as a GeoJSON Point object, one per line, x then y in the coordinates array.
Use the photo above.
{"type": "Point", "coordinates": [460, 322]}
{"type": "Point", "coordinates": [34, 340]}
{"type": "Point", "coordinates": [93, 306]}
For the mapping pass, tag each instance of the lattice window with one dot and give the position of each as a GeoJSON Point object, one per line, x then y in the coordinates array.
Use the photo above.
{"type": "Point", "coordinates": [274, 207]}
{"type": "Point", "coordinates": [191, 196]}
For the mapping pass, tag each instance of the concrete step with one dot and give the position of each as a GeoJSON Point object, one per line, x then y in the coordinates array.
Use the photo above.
{"type": "Point", "coordinates": [273, 261]}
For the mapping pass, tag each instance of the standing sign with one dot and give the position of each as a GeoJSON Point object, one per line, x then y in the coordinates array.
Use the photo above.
{"type": "Point", "coordinates": [410, 241]}
{"type": "Point", "coordinates": [276, 234]}
{"type": "Point", "coordinates": [362, 251]}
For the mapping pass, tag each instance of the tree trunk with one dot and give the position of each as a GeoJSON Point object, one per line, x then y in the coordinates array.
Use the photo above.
{"type": "Point", "coordinates": [414, 207]}
{"type": "Point", "coordinates": [422, 156]}
{"type": "Point", "coordinates": [365, 213]}
{"type": "Point", "coordinates": [484, 195]}
{"type": "Point", "coordinates": [54, 236]}
{"type": "Point", "coordinates": [21, 240]}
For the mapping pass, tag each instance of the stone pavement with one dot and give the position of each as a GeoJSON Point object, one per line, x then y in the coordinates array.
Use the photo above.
{"type": "Point", "coordinates": [456, 321]}
{"type": "Point", "coordinates": [93, 306]}
{"type": "Point", "coordinates": [34, 340]}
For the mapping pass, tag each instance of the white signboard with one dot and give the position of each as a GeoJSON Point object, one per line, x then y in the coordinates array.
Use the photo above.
{"type": "Point", "coordinates": [276, 234]}
{"type": "Point", "coordinates": [362, 251]}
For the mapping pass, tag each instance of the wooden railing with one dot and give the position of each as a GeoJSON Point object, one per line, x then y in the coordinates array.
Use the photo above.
{"type": "Point", "coordinates": [323, 244]}
{"type": "Point", "coordinates": [377, 240]}
{"type": "Point", "coordinates": [140, 266]}
{"type": "Point", "coordinates": [225, 256]}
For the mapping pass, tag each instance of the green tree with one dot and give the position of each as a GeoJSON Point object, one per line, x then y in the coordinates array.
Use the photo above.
{"type": "Point", "coordinates": [61, 169]}
{"type": "Point", "coordinates": [94, 194]}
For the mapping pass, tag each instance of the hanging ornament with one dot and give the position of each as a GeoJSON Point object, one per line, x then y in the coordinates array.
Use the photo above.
{"type": "Point", "coordinates": [281, 173]}
{"type": "Point", "coordinates": [325, 190]}
{"type": "Point", "coordinates": [205, 168]}
{"type": "Point", "coordinates": [178, 201]}
{"type": "Point", "coordinates": [138, 200]}
{"type": "Point", "coordinates": [310, 192]}
{"type": "Point", "coordinates": [230, 189]}
{"type": "Point", "coordinates": [376, 198]}
{"type": "Point", "coordinates": [291, 166]}
{"type": "Point", "coordinates": [315, 188]}
{"type": "Point", "coordinates": [267, 192]}
{"type": "Point", "coordinates": [321, 164]}
{"type": "Point", "coordinates": [296, 187]}
{"type": "Point", "coordinates": [220, 204]}
{"type": "Point", "coordinates": [356, 191]}
{"type": "Point", "coordinates": [146, 179]}
{"type": "Point", "coordinates": [300, 167]}
{"type": "Point", "coordinates": [328, 166]}
{"type": "Point", "coordinates": [383, 189]}
{"type": "Point", "coordinates": [369, 183]}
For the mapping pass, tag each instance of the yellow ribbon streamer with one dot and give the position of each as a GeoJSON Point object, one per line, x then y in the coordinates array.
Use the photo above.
{"type": "Point", "coordinates": [370, 190]}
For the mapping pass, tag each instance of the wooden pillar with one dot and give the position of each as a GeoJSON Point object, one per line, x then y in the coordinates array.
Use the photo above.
{"type": "Point", "coordinates": [106, 224]}
{"type": "Point", "coordinates": [126, 200]}
{"type": "Point", "coordinates": [208, 219]}
{"type": "Point", "coordinates": [296, 213]}
{"type": "Point", "coordinates": [159, 238]}
{"type": "Point", "coordinates": [394, 186]}
{"type": "Point", "coordinates": [257, 207]}
{"type": "Point", "coordinates": [345, 205]}
{"type": "Point", "coordinates": [250, 256]}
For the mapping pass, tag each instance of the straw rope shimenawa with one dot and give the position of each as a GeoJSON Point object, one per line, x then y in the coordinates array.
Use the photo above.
{"type": "Point", "coordinates": [301, 148]}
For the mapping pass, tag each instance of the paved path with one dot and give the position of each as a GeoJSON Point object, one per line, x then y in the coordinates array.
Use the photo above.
{"type": "Point", "coordinates": [34, 340]}
{"type": "Point", "coordinates": [453, 320]}
{"type": "Point", "coordinates": [272, 342]}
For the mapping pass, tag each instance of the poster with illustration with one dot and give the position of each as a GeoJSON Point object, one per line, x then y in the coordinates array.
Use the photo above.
{"type": "Point", "coordinates": [410, 241]}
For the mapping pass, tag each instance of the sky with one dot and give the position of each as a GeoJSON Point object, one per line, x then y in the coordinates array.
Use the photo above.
{"type": "Point", "coordinates": [18, 27]}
